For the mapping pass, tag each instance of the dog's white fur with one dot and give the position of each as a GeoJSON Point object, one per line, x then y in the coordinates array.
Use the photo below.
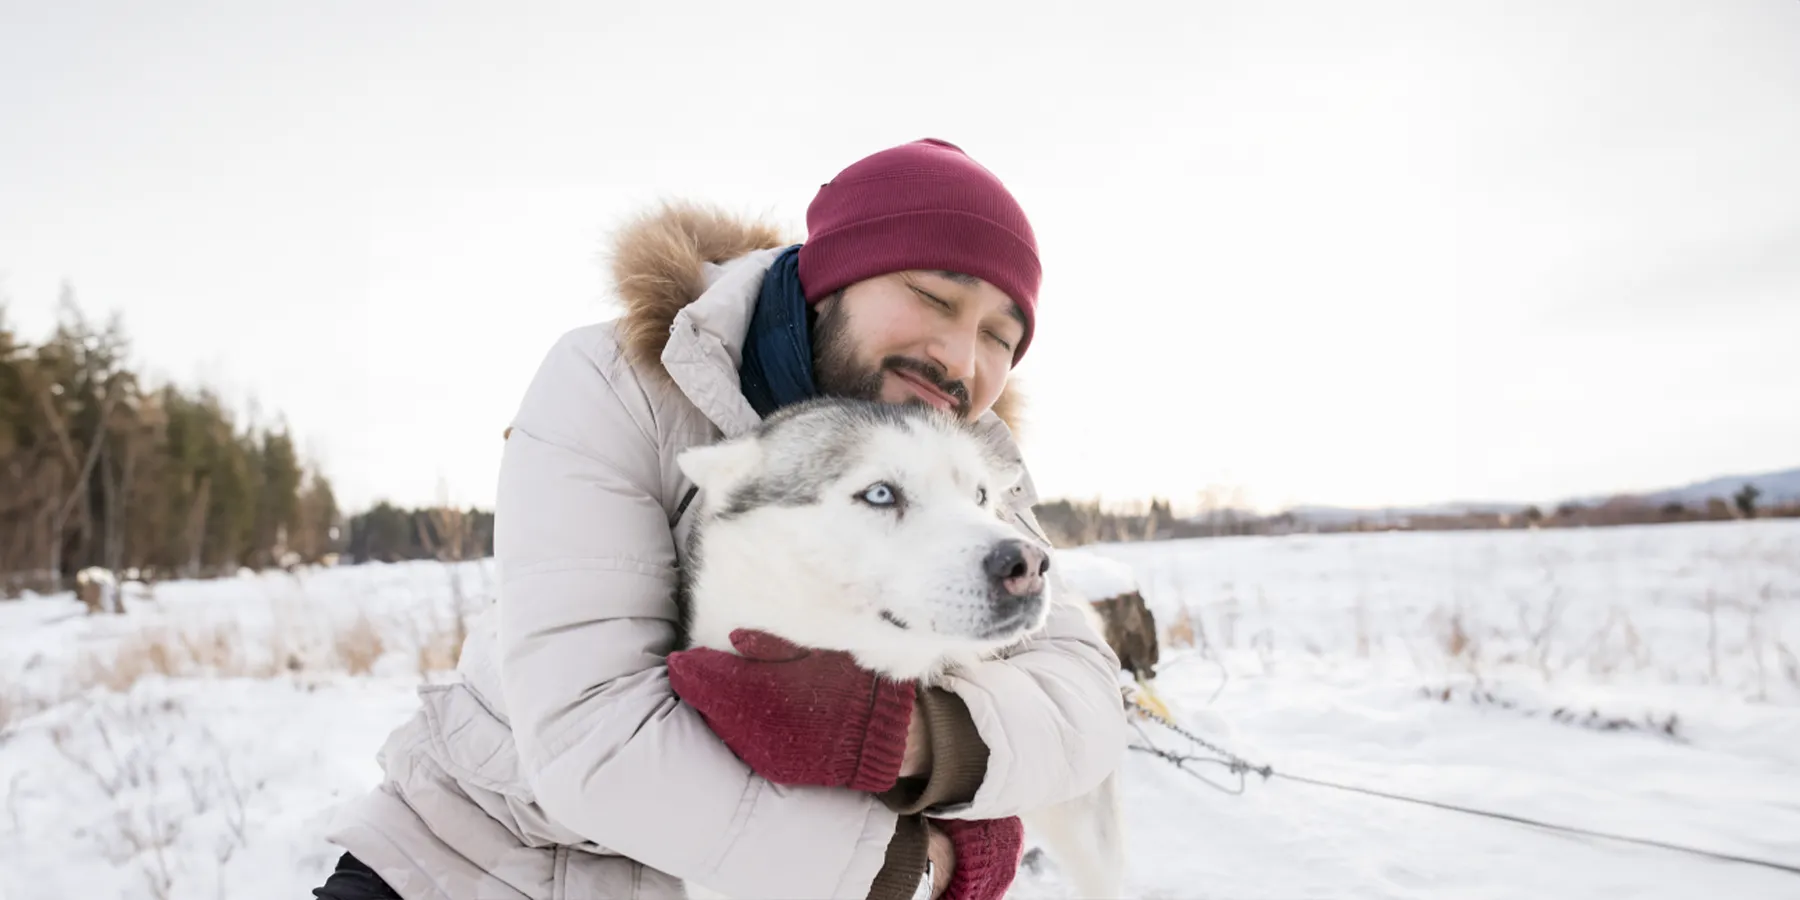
{"type": "Point", "coordinates": [818, 565]}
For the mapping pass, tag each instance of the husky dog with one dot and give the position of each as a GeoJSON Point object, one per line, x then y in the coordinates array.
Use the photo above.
{"type": "Point", "coordinates": [879, 530]}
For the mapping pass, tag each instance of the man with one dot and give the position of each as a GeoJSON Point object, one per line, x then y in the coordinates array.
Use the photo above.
{"type": "Point", "coordinates": [565, 764]}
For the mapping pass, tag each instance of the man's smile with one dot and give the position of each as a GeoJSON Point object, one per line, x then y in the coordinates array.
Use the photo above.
{"type": "Point", "coordinates": [927, 391]}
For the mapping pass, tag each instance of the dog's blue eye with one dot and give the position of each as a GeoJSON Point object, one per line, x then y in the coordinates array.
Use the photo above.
{"type": "Point", "coordinates": [879, 494]}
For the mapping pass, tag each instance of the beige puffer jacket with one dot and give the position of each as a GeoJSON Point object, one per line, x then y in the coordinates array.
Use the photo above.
{"type": "Point", "coordinates": [561, 765]}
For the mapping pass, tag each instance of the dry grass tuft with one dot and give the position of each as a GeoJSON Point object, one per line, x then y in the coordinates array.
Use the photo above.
{"type": "Point", "coordinates": [134, 658]}
{"type": "Point", "coordinates": [215, 650]}
{"type": "Point", "coordinates": [219, 648]}
{"type": "Point", "coordinates": [1458, 643]}
{"type": "Point", "coordinates": [224, 651]}
{"type": "Point", "coordinates": [358, 645]}
{"type": "Point", "coordinates": [440, 639]}
{"type": "Point", "coordinates": [441, 648]}
{"type": "Point", "coordinates": [1181, 631]}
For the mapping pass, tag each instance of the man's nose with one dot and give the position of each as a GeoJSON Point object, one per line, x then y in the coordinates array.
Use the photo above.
{"type": "Point", "coordinates": [955, 352]}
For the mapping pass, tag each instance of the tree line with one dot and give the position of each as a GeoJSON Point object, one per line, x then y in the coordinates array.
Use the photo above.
{"type": "Point", "coordinates": [388, 533]}
{"type": "Point", "coordinates": [1073, 523]}
{"type": "Point", "coordinates": [100, 468]}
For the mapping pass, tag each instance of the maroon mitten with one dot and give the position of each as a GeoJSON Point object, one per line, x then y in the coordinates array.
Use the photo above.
{"type": "Point", "coordinates": [798, 716]}
{"type": "Point", "coordinates": [987, 856]}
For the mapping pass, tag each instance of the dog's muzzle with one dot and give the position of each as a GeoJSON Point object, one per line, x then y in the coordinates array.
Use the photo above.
{"type": "Point", "coordinates": [1015, 575]}
{"type": "Point", "coordinates": [1015, 571]}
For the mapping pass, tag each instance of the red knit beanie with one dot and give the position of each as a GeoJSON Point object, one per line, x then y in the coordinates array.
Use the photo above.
{"type": "Point", "coordinates": [923, 205]}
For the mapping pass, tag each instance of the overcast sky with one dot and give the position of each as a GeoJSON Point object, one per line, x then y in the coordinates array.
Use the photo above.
{"type": "Point", "coordinates": [1317, 252]}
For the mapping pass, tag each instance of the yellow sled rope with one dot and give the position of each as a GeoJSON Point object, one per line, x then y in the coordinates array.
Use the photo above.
{"type": "Point", "coordinates": [1144, 698]}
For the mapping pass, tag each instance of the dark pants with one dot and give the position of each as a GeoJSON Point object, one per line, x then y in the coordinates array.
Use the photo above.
{"type": "Point", "coordinates": [354, 881]}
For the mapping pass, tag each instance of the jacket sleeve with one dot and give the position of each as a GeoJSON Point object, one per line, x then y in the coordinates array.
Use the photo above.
{"type": "Point", "coordinates": [587, 565]}
{"type": "Point", "coordinates": [1050, 714]}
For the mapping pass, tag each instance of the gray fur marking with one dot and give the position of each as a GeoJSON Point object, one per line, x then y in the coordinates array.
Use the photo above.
{"type": "Point", "coordinates": [764, 492]}
{"type": "Point", "coordinates": [808, 447]}
{"type": "Point", "coordinates": [811, 445]}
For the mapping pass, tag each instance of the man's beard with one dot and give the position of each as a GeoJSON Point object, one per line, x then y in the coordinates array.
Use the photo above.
{"type": "Point", "coordinates": [838, 373]}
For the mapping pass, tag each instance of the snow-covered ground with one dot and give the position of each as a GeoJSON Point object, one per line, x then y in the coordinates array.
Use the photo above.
{"type": "Point", "coordinates": [1637, 680]}
{"type": "Point", "coordinates": [239, 727]}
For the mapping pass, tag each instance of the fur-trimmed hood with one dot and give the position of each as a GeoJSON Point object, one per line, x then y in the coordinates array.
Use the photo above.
{"type": "Point", "coordinates": [659, 266]}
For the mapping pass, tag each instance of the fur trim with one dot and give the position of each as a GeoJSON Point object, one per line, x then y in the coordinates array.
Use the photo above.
{"type": "Point", "coordinates": [656, 267]}
{"type": "Point", "coordinates": [1010, 407]}
{"type": "Point", "coordinates": [657, 264]}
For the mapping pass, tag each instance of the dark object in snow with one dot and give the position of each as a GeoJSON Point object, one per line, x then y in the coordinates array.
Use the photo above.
{"type": "Point", "coordinates": [1131, 633]}
{"type": "Point", "coordinates": [1033, 861]}
{"type": "Point", "coordinates": [353, 880]}
{"type": "Point", "coordinates": [1667, 726]}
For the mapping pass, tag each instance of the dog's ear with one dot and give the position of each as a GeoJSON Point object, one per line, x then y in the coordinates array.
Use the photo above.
{"type": "Point", "coordinates": [718, 468]}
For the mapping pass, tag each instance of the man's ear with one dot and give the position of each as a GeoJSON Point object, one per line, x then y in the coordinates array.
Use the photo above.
{"type": "Point", "coordinates": [721, 467]}
{"type": "Point", "coordinates": [1006, 475]}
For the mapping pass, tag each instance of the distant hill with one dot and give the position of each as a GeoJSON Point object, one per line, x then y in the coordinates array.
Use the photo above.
{"type": "Point", "coordinates": [1775, 487]}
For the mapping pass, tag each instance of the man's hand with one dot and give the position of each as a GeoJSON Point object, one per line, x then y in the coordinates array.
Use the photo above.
{"type": "Point", "coordinates": [942, 853]}
{"type": "Point", "coordinates": [797, 716]}
{"type": "Point", "coordinates": [917, 759]}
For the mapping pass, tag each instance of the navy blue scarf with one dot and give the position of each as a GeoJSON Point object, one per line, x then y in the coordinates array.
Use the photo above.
{"type": "Point", "coordinates": [777, 368]}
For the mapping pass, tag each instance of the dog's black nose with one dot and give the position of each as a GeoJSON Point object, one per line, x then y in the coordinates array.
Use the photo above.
{"type": "Point", "coordinates": [1017, 567]}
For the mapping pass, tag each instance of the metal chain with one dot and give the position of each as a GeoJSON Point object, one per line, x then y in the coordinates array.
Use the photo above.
{"type": "Point", "coordinates": [1241, 767]}
{"type": "Point", "coordinates": [1236, 763]}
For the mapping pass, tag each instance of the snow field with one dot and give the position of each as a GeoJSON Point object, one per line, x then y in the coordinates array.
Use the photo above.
{"type": "Point", "coordinates": [1637, 680]}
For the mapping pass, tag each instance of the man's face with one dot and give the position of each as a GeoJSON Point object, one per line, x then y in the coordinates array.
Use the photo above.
{"type": "Point", "coordinates": [918, 337]}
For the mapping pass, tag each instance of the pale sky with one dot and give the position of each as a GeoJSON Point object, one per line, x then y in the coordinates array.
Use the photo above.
{"type": "Point", "coordinates": [1313, 252]}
